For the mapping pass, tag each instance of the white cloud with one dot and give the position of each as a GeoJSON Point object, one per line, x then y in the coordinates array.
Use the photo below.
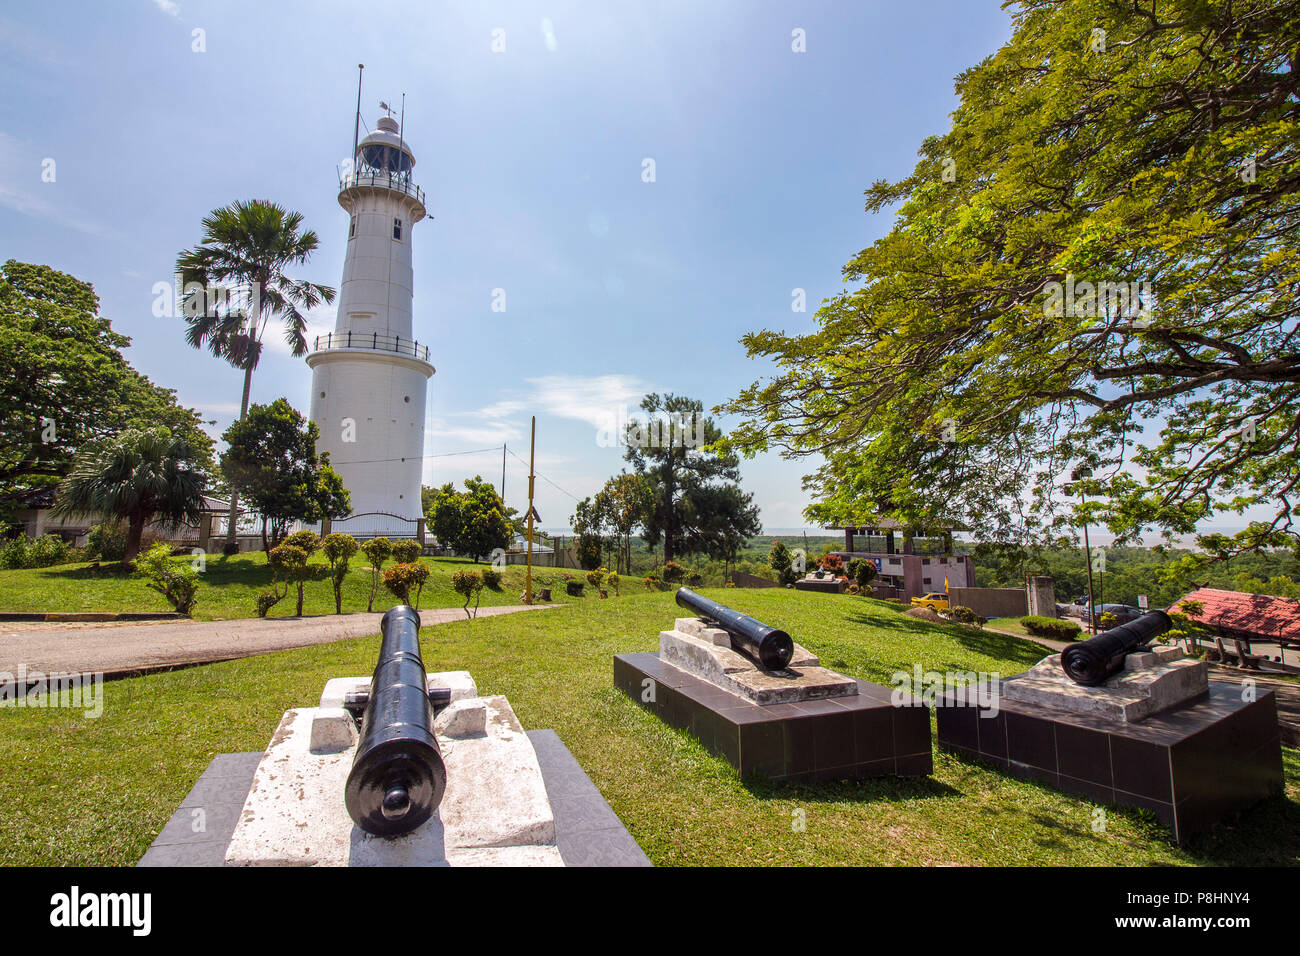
{"type": "Point", "coordinates": [596, 401]}
{"type": "Point", "coordinates": [320, 320]}
{"type": "Point", "coordinates": [168, 6]}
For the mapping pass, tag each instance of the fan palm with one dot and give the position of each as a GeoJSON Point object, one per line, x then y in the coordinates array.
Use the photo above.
{"type": "Point", "coordinates": [139, 475]}
{"type": "Point", "coordinates": [244, 252]}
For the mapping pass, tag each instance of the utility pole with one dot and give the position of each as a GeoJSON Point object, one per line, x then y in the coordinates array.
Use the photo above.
{"type": "Point", "coordinates": [1083, 471]}
{"type": "Point", "coordinates": [503, 473]}
{"type": "Point", "coordinates": [528, 573]}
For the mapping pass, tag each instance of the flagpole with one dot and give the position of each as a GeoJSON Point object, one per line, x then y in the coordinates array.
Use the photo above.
{"type": "Point", "coordinates": [532, 458]}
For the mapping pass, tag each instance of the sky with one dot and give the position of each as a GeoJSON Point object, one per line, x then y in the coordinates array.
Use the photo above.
{"type": "Point", "coordinates": [150, 113]}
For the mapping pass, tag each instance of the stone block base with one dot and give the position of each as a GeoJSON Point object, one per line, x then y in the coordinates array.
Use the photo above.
{"type": "Point", "coordinates": [853, 737]}
{"type": "Point", "coordinates": [1190, 765]}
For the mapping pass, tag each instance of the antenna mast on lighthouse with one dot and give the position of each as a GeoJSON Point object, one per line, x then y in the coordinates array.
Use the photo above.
{"type": "Point", "coordinates": [356, 128]}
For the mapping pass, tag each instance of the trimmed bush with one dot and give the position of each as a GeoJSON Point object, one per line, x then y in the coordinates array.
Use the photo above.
{"type": "Point", "coordinates": [468, 584]}
{"type": "Point", "coordinates": [573, 588]}
{"type": "Point", "coordinates": [651, 581]}
{"type": "Point", "coordinates": [406, 550]}
{"type": "Point", "coordinates": [338, 549]}
{"type": "Point", "coordinates": [491, 578]}
{"type": "Point", "coordinates": [611, 580]}
{"type": "Point", "coordinates": [1050, 627]}
{"type": "Point", "coordinates": [964, 615]}
{"type": "Point", "coordinates": [673, 573]}
{"type": "Point", "coordinates": [179, 584]}
{"type": "Point", "coordinates": [377, 551]}
{"type": "Point", "coordinates": [400, 578]}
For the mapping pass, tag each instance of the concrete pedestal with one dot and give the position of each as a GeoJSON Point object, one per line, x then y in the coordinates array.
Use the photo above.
{"type": "Point", "coordinates": [495, 812]}
{"type": "Point", "coordinates": [1190, 764]}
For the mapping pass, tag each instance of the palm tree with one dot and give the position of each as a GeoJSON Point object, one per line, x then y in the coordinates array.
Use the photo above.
{"type": "Point", "coordinates": [233, 282]}
{"type": "Point", "coordinates": [140, 475]}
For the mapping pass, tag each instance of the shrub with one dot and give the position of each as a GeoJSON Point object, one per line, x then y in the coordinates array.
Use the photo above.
{"type": "Point", "coordinates": [863, 572]}
{"type": "Point", "coordinates": [400, 578]}
{"type": "Point", "coordinates": [377, 551]}
{"type": "Point", "coordinates": [964, 615]}
{"type": "Point", "coordinates": [594, 577]}
{"type": "Point", "coordinates": [695, 579]}
{"type": "Point", "coordinates": [832, 564]}
{"type": "Point", "coordinates": [1107, 621]}
{"type": "Point", "coordinates": [673, 573]}
{"type": "Point", "coordinates": [339, 549]}
{"type": "Point", "coordinates": [289, 563]}
{"type": "Point", "coordinates": [491, 578]}
{"type": "Point", "coordinates": [308, 540]}
{"type": "Point", "coordinates": [179, 584]}
{"type": "Point", "coordinates": [730, 584]}
{"type": "Point", "coordinates": [651, 581]}
{"type": "Point", "coordinates": [107, 541]}
{"type": "Point", "coordinates": [612, 580]}
{"type": "Point", "coordinates": [1050, 627]}
{"type": "Point", "coordinates": [21, 552]}
{"type": "Point", "coordinates": [267, 600]}
{"type": "Point", "coordinates": [573, 588]}
{"type": "Point", "coordinates": [781, 562]}
{"type": "Point", "coordinates": [406, 550]}
{"type": "Point", "coordinates": [469, 584]}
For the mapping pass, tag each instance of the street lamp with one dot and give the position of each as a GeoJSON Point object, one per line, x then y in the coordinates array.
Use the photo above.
{"type": "Point", "coordinates": [1077, 476]}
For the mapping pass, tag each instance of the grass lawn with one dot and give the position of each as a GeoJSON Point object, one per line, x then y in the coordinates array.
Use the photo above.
{"type": "Point", "coordinates": [229, 587]}
{"type": "Point", "coordinates": [96, 791]}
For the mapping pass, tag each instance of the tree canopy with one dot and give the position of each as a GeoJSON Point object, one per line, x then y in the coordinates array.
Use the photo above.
{"type": "Point", "coordinates": [140, 475]}
{"type": "Point", "coordinates": [473, 522]}
{"type": "Point", "coordinates": [1097, 264]}
{"type": "Point", "coordinates": [64, 380]}
{"type": "Point", "coordinates": [691, 497]}
{"type": "Point", "coordinates": [271, 461]}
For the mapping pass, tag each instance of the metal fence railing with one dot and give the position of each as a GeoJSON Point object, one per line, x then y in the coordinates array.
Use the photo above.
{"type": "Point", "coordinates": [371, 340]}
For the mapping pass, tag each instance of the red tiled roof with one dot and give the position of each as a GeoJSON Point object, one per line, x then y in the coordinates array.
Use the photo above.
{"type": "Point", "coordinates": [1260, 614]}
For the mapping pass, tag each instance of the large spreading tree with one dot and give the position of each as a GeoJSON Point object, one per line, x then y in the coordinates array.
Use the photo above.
{"type": "Point", "coordinates": [65, 382]}
{"type": "Point", "coordinates": [1097, 265]}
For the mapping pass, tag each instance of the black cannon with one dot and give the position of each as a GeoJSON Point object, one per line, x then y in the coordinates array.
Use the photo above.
{"type": "Point", "coordinates": [769, 646]}
{"type": "Point", "coordinates": [397, 778]}
{"type": "Point", "coordinates": [1092, 661]}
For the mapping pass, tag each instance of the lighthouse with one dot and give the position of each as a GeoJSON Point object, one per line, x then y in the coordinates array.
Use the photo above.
{"type": "Point", "coordinates": [369, 375]}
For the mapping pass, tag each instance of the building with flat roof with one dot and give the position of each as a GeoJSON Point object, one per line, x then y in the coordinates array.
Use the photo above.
{"type": "Point", "coordinates": [911, 559]}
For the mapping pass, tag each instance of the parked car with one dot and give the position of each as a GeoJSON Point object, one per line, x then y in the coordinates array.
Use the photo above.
{"type": "Point", "coordinates": [936, 601]}
{"type": "Point", "coordinates": [1123, 612]}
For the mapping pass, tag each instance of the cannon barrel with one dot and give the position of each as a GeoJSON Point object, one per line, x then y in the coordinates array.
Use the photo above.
{"type": "Point", "coordinates": [398, 777]}
{"type": "Point", "coordinates": [771, 647]}
{"type": "Point", "coordinates": [1092, 661]}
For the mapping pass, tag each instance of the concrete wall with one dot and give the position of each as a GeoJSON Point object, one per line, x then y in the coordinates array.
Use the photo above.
{"type": "Point", "coordinates": [744, 580]}
{"type": "Point", "coordinates": [991, 602]}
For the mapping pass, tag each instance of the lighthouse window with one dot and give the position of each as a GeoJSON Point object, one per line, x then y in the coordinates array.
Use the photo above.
{"type": "Point", "coordinates": [352, 229]}
{"type": "Point", "coordinates": [397, 229]}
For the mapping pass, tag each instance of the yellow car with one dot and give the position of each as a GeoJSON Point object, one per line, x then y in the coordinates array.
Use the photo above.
{"type": "Point", "coordinates": [938, 601]}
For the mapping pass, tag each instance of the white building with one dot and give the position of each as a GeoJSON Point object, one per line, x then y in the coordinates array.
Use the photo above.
{"type": "Point", "coordinates": [369, 375]}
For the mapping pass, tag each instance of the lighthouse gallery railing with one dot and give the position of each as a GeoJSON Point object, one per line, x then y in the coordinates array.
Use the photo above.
{"type": "Point", "coordinates": [372, 340]}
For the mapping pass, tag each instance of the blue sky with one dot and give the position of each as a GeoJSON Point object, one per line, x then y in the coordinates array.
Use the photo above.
{"type": "Point", "coordinates": [532, 162]}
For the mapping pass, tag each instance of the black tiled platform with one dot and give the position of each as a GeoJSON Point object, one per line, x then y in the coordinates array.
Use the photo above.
{"type": "Point", "coordinates": [839, 738]}
{"type": "Point", "coordinates": [587, 833]}
{"type": "Point", "coordinates": [1190, 765]}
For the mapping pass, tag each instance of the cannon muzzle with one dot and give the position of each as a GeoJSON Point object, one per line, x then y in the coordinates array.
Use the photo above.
{"type": "Point", "coordinates": [398, 777]}
{"type": "Point", "coordinates": [1093, 661]}
{"type": "Point", "coordinates": [771, 647]}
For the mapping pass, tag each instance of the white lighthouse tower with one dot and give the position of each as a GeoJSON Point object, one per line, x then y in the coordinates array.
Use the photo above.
{"type": "Point", "coordinates": [369, 375]}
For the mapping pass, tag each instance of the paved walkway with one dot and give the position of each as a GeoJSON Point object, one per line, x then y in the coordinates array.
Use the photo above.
{"type": "Point", "coordinates": [124, 648]}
